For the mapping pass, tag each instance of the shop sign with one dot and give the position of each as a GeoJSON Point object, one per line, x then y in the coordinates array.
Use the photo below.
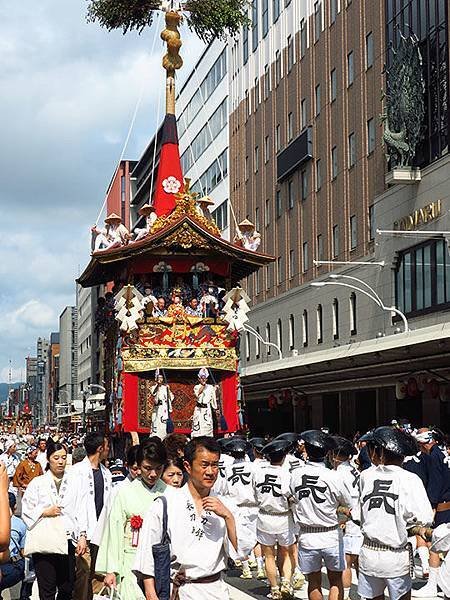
{"type": "Point", "coordinates": [419, 217]}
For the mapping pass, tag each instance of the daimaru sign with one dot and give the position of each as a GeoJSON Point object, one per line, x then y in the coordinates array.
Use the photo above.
{"type": "Point", "coordinates": [419, 217]}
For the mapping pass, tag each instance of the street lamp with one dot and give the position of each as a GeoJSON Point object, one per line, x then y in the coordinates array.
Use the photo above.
{"type": "Point", "coordinates": [249, 329]}
{"type": "Point", "coordinates": [373, 296]}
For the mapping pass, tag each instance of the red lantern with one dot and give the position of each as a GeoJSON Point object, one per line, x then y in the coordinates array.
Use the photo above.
{"type": "Point", "coordinates": [434, 388]}
{"type": "Point", "coordinates": [412, 387]}
{"type": "Point", "coordinates": [272, 401]}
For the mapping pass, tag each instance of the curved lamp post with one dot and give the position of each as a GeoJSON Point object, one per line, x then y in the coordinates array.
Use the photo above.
{"type": "Point", "coordinates": [373, 296]}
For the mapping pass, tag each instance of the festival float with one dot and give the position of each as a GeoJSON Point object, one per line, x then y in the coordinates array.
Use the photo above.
{"type": "Point", "coordinates": [172, 317]}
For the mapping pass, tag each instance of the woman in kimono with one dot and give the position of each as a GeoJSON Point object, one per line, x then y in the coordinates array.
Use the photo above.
{"type": "Point", "coordinates": [162, 405]}
{"type": "Point", "coordinates": [44, 499]}
{"type": "Point", "coordinates": [202, 419]}
{"type": "Point", "coordinates": [121, 534]}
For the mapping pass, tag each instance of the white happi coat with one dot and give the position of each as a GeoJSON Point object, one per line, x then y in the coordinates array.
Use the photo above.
{"type": "Point", "coordinates": [11, 462]}
{"type": "Point", "coordinates": [318, 491]}
{"type": "Point", "coordinates": [81, 497]}
{"type": "Point", "coordinates": [291, 462]}
{"type": "Point", "coordinates": [199, 544]}
{"type": "Point", "coordinates": [392, 500]}
{"type": "Point", "coordinates": [42, 460]}
{"type": "Point", "coordinates": [273, 497]}
{"type": "Point", "coordinates": [220, 487]}
{"type": "Point", "coordinates": [41, 493]}
{"type": "Point", "coordinates": [202, 419]}
{"type": "Point", "coordinates": [162, 398]}
{"type": "Point", "coordinates": [350, 476]}
{"type": "Point", "coordinates": [149, 222]}
{"type": "Point", "coordinates": [239, 487]}
{"type": "Point", "coordinates": [441, 543]}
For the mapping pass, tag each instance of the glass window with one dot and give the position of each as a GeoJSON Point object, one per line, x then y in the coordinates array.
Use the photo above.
{"type": "Point", "coordinates": [372, 222]}
{"type": "Point", "coordinates": [333, 10]}
{"type": "Point", "coordinates": [305, 328]}
{"type": "Point", "coordinates": [334, 163]}
{"type": "Point", "coordinates": [335, 241]}
{"type": "Point", "coordinates": [333, 85]}
{"type": "Point", "coordinates": [290, 126]}
{"type": "Point", "coordinates": [266, 148]}
{"type": "Point", "coordinates": [350, 67]}
{"type": "Point", "coordinates": [279, 207]}
{"type": "Point", "coordinates": [317, 20]}
{"type": "Point", "coordinates": [277, 138]}
{"type": "Point", "coordinates": [220, 215]}
{"type": "Point", "coordinates": [247, 345]}
{"type": "Point", "coordinates": [335, 319]}
{"type": "Point", "coordinates": [268, 338]}
{"type": "Point", "coordinates": [353, 232]}
{"type": "Point", "coordinates": [304, 116]}
{"type": "Point", "coordinates": [305, 257]}
{"type": "Point", "coordinates": [212, 176]}
{"type": "Point", "coordinates": [265, 17]}
{"type": "Point", "coordinates": [304, 183]}
{"type": "Point", "coordinates": [352, 306]}
{"type": "Point", "coordinates": [257, 344]}
{"type": "Point", "coordinates": [280, 334]}
{"type": "Point", "coordinates": [290, 53]}
{"type": "Point", "coordinates": [303, 38]}
{"type": "Point", "coordinates": [256, 159]}
{"type": "Point", "coordinates": [266, 82]}
{"type": "Point", "coordinates": [277, 67]}
{"type": "Point", "coordinates": [291, 263]}
{"type": "Point", "coordinates": [291, 332]}
{"type": "Point", "coordinates": [319, 247]}
{"type": "Point", "coordinates": [280, 274]}
{"type": "Point", "coordinates": [351, 150]}
{"type": "Point", "coordinates": [369, 50]}
{"type": "Point", "coordinates": [319, 318]}
{"type": "Point", "coordinates": [317, 99]}
{"type": "Point", "coordinates": [255, 35]}
{"type": "Point", "coordinates": [318, 174]}
{"type": "Point", "coordinates": [291, 197]}
{"type": "Point", "coordinates": [276, 9]}
{"type": "Point", "coordinates": [245, 45]}
{"type": "Point", "coordinates": [370, 136]}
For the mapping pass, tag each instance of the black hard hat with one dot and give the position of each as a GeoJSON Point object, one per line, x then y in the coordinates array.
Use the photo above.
{"type": "Point", "coordinates": [275, 447]}
{"type": "Point", "coordinates": [395, 440]}
{"type": "Point", "coordinates": [367, 437]}
{"type": "Point", "coordinates": [344, 446]}
{"type": "Point", "coordinates": [223, 444]}
{"type": "Point", "coordinates": [257, 443]}
{"type": "Point", "coordinates": [236, 445]}
{"type": "Point", "coordinates": [318, 439]}
{"type": "Point", "coordinates": [290, 437]}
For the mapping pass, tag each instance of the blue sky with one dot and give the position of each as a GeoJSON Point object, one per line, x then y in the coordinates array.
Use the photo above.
{"type": "Point", "coordinates": [69, 90]}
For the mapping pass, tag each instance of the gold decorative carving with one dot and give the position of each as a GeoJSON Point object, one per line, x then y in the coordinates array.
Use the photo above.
{"type": "Point", "coordinates": [186, 205]}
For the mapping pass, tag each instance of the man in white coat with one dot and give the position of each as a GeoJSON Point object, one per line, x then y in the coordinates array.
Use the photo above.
{"type": "Point", "coordinates": [202, 419]}
{"type": "Point", "coordinates": [201, 528]}
{"type": "Point", "coordinates": [392, 501]}
{"type": "Point", "coordinates": [89, 485]}
{"type": "Point", "coordinates": [162, 405]}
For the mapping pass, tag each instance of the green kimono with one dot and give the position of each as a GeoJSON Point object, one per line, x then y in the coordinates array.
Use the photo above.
{"type": "Point", "coordinates": [116, 553]}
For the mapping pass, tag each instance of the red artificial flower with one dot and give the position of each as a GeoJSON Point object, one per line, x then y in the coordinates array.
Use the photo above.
{"type": "Point", "coordinates": [136, 522]}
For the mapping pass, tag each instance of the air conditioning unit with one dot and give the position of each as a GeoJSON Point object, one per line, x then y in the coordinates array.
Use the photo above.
{"type": "Point", "coordinates": [294, 352]}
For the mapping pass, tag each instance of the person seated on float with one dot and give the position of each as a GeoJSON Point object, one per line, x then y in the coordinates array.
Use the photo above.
{"type": "Point", "coordinates": [181, 288]}
{"type": "Point", "coordinates": [202, 208]}
{"type": "Point", "coordinates": [176, 310]}
{"type": "Point", "coordinates": [113, 235]}
{"type": "Point", "coordinates": [193, 309]}
{"type": "Point", "coordinates": [247, 236]}
{"type": "Point", "coordinates": [209, 303]}
{"type": "Point", "coordinates": [147, 211]}
{"type": "Point", "coordinates": [149, 297]}
{"type": "Point", "coordinates": [160, 308]}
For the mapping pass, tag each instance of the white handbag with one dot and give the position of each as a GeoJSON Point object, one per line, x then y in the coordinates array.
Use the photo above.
{"type": "Point", "coordinates": [47, 536]}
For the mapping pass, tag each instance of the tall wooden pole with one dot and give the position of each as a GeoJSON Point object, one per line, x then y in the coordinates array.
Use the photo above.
{"type": "Point", "coordinates": [172, 60]}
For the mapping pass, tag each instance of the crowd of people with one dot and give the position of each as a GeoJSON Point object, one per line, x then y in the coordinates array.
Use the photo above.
{"type": "Point", "coordinates": [169, 518]}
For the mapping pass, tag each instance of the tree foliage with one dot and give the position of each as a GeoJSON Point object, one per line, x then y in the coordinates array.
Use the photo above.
{"type": "Point", "coordinates": [209, 19]}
